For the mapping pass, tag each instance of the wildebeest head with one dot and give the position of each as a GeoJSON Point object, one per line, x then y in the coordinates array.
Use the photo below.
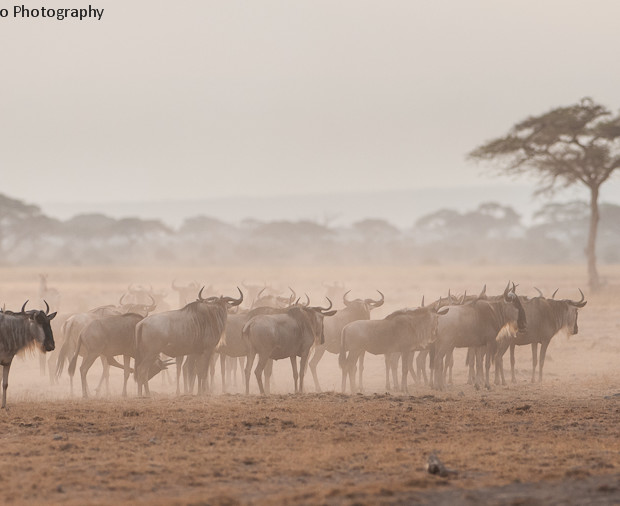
{"type": "Point", "coordinates": [226, 302]}
{"type": "Point", "coordinates": [570, 309]}
{"type": "Point", "coordinates": [316, 315]}
{"type": "Point", "coordinates": [362, 306]}
{"type": "Point", "coordinates": [511, 297]}
{"type": "Point", "coordinates": [40, 326]}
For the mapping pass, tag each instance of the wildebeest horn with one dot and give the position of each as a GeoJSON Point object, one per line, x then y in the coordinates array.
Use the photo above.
{"type": "Point", "coordinates": [307, 300]}
{"type": "Point", "coordinates": [259, 293]}
{"type": "Point", "coordinates": [483, 293]}
{"type": "Point", "coordinates": [376, 303]}
{"type": "Point", "coordinates": [344, 298]}
{"type": "Point", "coordinates": [553, 295]}
{"type": "Point", "coordinates": [47, 307]}
{"type": "Point", "coordinates": [540, 294]}
{"type": "Point", "coordinates": [232, 301]}
{"type": "Point", "coordinates": [507, 292]}
{"type": "Point", "coordinates": [580, 303]}
{"type": "Point", "coordinates": [200, 294]}
{"type": "Point", "coordinates": [293, 295]}
{"type": "Point", "coordinates": [323, 309]}
{"type": "Point", "coordinates": [463, 298]}
{"type": "Point", "coordinates": [24, 307]}
{"type": "Point", "coordinates": [422, 305]}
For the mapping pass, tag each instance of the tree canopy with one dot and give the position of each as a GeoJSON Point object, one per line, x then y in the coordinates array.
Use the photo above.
{"type": "Point", "coordinates": [576, 144]}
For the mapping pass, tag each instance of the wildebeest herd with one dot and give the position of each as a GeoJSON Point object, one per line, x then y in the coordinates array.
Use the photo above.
{"type": "Point", "coordinates": [275, 326]}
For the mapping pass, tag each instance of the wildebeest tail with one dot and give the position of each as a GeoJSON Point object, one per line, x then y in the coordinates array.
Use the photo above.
{"type": "Point", "coordinates": [73, 363]}
{"type": "Point", "coordinates": [246, 329]}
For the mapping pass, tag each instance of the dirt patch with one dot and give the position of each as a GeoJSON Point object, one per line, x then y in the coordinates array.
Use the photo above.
{"type": "Point", "coordinates": [313, 448]}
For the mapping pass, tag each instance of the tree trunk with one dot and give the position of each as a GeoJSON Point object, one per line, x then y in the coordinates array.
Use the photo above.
{"type": "Point", "coordinates": [591, 247]}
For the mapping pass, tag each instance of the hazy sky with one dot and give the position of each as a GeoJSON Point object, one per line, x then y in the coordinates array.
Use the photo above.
{"type": "Point", "coordinates": [192, 99]}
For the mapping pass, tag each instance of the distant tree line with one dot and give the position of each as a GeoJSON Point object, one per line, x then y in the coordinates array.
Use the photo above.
{"type": "Point", "coordinates": [491, 233]}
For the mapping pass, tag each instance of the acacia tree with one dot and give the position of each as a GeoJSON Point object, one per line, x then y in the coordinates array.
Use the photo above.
{"type": "Point", "coordinates": [578, 144]}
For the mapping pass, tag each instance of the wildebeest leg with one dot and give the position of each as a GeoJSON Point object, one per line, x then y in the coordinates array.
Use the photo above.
{"type": "Point", "coordinates": [268, 375]}
{"type": "Point", "coordinates": [258, 372]}
{"type": "Point", "coordinates": [541, 362]}
{"type": "Point", "coordinates": [5, 381]}
{"type": "Point", "coordinates": [248, 370]}
{"type": "Point", "coordinates": [394, 369]}
{"type": "Point", "coordinates": [361, 369]}
{"type": "Point", "coordinates": [388, 364]}
{"type": "Point", "coordinates": [241, 366]}
{"type": "Point", "coordinates": [512, 363]}
{"type": "Point", "coordinates": [421, 365]}
{"type": "Point", "coordinates": [499, 362]}
{"type": "Point", "coordinates": [319, 351]}
{"type": "Point", "coordinates": [211, 366]}
{"type": "Point", "coordinates": [87, 361]}
{"type": "Point", "coordinates": [487, 366]}
{"type": "Point", "coordinates": [437, 369]}
{"type": "Point", "coordinates": [405, 361]}
{"type": "Point", "coordinates": [534, 360]}
{"type": "Point", "coordinates": [223, 359]}
{"type": "Point", "coordinates": [303, 362]}
{"type": "Point", "coordinates": [449, 363]}
{"type": "Point", "coordinates": [411, 367]}
{"type": "Point", "coordinates": [295, 373]}
{"type": "Point", "coordinates": [351, 367]}
{"type": "Point", "coordinates": [204, 364]}
{"type": "Point", "coordinates": [470, 362]}
{"type": "Point", "coordinates": [105, 376]}
{"type": "Point", "coordinates": [479, 356]}
{"type": "Point", "coordinates": [179, 369]}
{"type": "Point", "coordinates": [126, 372]}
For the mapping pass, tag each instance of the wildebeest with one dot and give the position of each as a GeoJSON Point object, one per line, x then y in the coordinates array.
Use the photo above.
{"type": "Point", "coordinates": [193, 329]}
{"type": "Point", "coordinates": [545, 318]}
{"type": "Point", "coordinates": [357, 309]}
{"type": "Point", "coordinates": [19, 331]}
{"type": "Point", "coordinates": [289, 334]}
{"type": "Point", "coordinates": [400, 332]}
{"type": "Point", "coordinates": [477, 324]}
{"type": "Point", "coordinates": [272, 300]}
{"type": "Point", "coordinates": [74, 325]}
{"type": "Point", "coordinates": [108, 337]}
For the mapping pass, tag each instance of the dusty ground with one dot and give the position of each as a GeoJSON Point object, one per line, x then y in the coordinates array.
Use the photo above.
{"type": "Point", "coordinates": [558, 442]}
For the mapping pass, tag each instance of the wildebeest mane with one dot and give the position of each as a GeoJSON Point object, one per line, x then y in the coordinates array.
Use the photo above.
{"type": "Point", "coordinates": [16, 335]}
{"type": "Point", "coordinates": [202, 319]}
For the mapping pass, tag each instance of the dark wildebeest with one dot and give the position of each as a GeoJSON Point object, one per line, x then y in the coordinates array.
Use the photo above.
{"type": "Point", "coordinates": [108, 337]}
{"type": "Point", "coordinates": [357, 309]}
{"type": "Point", "coordinates": [545, 318]}
{"type": "Point", "coordinates": [400, 332]}
{"type": "Point", "coordinates": [19, 331]}
{"type": "Point", "coordinates": [194, 329]}
{"type": "Point", "coordinates": [289, 334]}
{"type": "Point", "coordinates": [477, 324]}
